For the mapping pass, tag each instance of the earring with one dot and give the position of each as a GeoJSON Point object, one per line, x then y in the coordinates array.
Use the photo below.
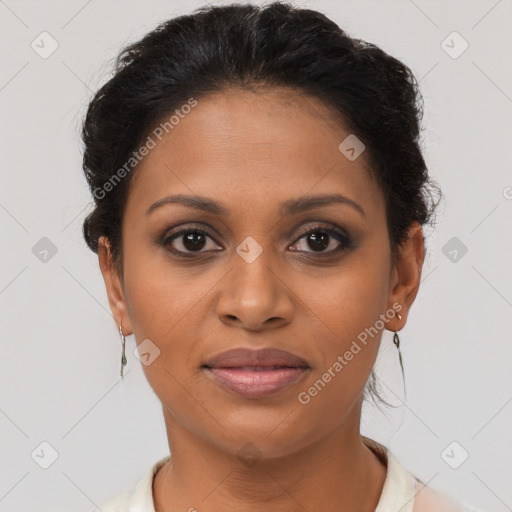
{"type": "Point", "coordinates": [396, 341]}
{"type": "Point", "coordinates": [123, 357]}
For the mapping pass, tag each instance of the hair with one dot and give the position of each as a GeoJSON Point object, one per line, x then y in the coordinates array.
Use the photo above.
{"type": "Point", "coordinates": [216, 48]}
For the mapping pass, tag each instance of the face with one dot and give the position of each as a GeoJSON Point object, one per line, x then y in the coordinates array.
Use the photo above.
{"type": "Point", "coordinates": [266, 266]}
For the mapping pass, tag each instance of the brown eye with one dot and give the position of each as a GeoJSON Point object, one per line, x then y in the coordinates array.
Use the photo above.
{"type": "Point", "coordinates": [189, 241]}
{"type": "Point", "coordinates": [319, 240]}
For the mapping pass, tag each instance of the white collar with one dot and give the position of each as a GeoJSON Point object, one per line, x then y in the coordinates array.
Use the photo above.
{"type": "Point", "coordinates": [397, 495]}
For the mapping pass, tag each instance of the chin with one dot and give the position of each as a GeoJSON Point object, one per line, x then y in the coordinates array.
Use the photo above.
{"type": "Point", "coordinates": [267, 434]}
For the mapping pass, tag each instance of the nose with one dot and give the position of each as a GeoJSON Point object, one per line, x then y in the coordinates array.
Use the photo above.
{"type": "Point", "coordinates": [254, 297]}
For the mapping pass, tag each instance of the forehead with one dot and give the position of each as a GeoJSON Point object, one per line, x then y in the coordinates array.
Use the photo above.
{"type": "Point", "coordinates": [262, 144]}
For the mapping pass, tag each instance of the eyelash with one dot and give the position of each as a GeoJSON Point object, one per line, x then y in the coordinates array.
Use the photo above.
{"type": "Point", "coordinates": [339, 235]}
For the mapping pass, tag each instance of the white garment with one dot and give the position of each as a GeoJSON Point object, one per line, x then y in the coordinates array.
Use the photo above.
{"type": "Point", "coordinates": [402, 492]}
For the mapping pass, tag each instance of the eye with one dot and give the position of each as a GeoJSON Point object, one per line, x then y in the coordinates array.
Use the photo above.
{"type": "Point", "coordinates": [189, 241]}
{"type": "Point", "coordinates": [320, 239]}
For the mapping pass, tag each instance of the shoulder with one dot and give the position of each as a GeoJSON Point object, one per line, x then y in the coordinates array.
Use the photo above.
{"type": "Point", "coordinates": [140, 499]}
{"type": "Point", "coordinates": [429, 500]}
{"type": "Point", "coordinates": [403, 491]}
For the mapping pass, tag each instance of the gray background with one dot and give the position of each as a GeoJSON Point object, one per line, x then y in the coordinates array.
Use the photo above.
{"type": "Point", "coordinates": [60, 349]}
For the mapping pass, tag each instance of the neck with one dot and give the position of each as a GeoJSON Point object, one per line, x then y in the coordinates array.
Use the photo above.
{"type": "Point", "coordinates": [337, 473]}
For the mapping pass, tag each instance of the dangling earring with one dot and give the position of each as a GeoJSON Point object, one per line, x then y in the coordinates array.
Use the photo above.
{"type": "Point", "coordinates": [123, 357]}
{"type": "Point", "coordinates": [396, 341]}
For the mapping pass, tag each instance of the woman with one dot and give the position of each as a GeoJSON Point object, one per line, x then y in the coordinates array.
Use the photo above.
{"type": "Point", "coordinates": [259, 201]}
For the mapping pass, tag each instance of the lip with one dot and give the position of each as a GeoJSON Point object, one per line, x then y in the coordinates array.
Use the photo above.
{"type": "Point", "coordinates": [256, 373]}
{"type": "Point", "coordinates": [264, 357]}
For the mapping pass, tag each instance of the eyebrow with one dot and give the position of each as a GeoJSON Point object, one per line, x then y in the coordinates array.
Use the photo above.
{"type": "Point", "coordinates": [289, 207]}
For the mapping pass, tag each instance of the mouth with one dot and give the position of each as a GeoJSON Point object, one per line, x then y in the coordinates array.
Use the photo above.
{"type": "Point", "coordinates": [256, 373]}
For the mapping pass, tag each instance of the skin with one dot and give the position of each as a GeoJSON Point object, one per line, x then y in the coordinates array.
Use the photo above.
{"type": "Point", "coordinates": [251, 151]}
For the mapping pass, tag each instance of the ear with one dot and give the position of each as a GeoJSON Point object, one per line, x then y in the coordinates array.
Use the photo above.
{"type": "Point", "coordinates": [114, 286]}
{"type": "Point", "coordinates": [406, 275]}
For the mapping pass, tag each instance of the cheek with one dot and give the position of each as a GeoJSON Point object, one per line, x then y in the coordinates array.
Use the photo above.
{"type": "Point", "coordinates": [346, 325]}
{"type": "Point", "coordinates": [351, 298]}
{"type": "Point", "coordinates": [159, 295]}
{"type": "Point", "coordinates": [166, 307]}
